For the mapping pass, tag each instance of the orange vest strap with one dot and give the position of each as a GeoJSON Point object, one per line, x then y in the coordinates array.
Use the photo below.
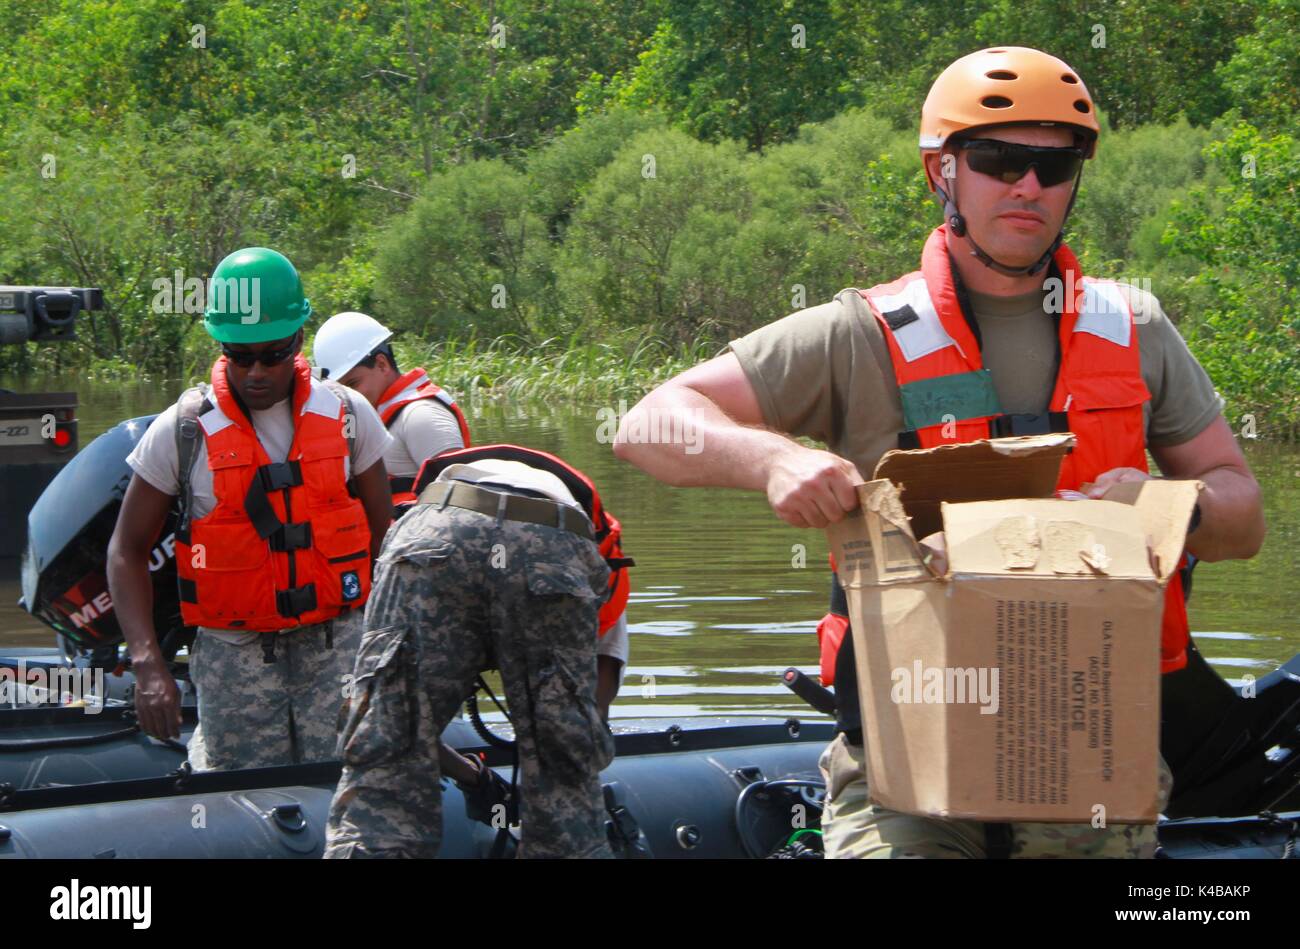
{"type": "Point", "coordinates": [411, 387]}
{"type": "Point", "coordinates": [608, 529]}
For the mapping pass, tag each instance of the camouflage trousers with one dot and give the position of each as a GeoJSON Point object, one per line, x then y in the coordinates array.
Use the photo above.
{"type": "Point", "coordinates": [853, 827]}
{"type": "Point", "coordinates": [457, 592]}
{"type": "Point", "coordinates": [254, 713]}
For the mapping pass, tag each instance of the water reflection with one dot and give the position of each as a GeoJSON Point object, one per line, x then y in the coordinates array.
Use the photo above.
{"type": "Point", "coordinates": [726, 597]}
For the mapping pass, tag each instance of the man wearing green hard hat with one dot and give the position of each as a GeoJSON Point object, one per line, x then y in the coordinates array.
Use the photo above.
{"type": "Point", "coordinates": [283, 500]}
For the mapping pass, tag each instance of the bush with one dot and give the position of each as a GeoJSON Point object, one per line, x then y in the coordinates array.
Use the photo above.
{"type": "Point", "coordinates": [855, 184]}
{"type": "Point", "coordinates": [468, 258]}
{"type": "Point", "coordinates": [1245, 237]}
{"type": "Point", "coordinates": [1129, 185]}
{"type": "Point", "coordinates": [561, 171]}
{"type": "Point", "coordinates": [643, 245]}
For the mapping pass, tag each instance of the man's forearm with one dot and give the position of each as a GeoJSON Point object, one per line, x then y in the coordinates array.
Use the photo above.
{"type": "Point", "coordinates": [131, 590]}
{"type": "Point", "coordinates": [704, 447]}
{"type": "Point", "coordinates": [371, 488]}
{"type": "Point", "coordinates": [454, 765]}
{"type": "Point", "coordinates": [1232, 517]}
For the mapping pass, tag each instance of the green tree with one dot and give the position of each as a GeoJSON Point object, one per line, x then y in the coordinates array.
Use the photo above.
{"type": "Point", "coordinates": [1143, 62]}
{"type": "Point", "coordinates": [561, 170]}
{"type": "Point", "coordinates": [1123, 204]}
{"type": "Point", "coordinates": [1263, 77]}
{"type": "Point", "coordinates": [644, 240]}
{"type": "Point", "coordinates": [744, 70]}
{"type": "Point", "coordinates": [1246, 236]}
{"type": "Point", "coordinates": [855, 184]}
{"type": "Point", "coordinates": [468, 258]}
{"type": "Point", "coordinates": [121, 213]}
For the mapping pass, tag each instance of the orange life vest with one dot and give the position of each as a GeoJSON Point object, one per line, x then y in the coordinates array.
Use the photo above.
{"type": "Point", "coordinates": [608, 530]}
{"type": "Point", "coordinates": [948, 396]}
{"type": "Point", "coordinates": [248, 564]}
{"type": "Point", "coordinates": [411, 387]}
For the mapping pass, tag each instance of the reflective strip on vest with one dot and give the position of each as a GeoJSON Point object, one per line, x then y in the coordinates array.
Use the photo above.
{"type": "Point", "coordinates": [925, 334]}
{"type": "Point", "coordinates": [214, 420]}
{"type": "Point", "coordinates": [322, 401]}
{"type": "Point", "coordinates": [1104, 314]}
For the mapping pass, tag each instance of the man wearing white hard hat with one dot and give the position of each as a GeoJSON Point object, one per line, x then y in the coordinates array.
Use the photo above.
{"type": "Point", "coordinates": [424, 420]}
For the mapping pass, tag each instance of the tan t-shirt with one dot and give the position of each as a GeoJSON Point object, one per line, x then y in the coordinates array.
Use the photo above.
{"type": "Point", "coordinates": [421, 430]}
{"type": "Point", "coordinates": [825, 372]}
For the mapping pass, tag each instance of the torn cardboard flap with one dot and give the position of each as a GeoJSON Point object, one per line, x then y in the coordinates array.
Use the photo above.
{"type": "Point", "coordinates": [1026, 466]}
{"type": "Point", "coordinates": [875, 544]}
{"type": "Point", "coordinates": [1164, 509]}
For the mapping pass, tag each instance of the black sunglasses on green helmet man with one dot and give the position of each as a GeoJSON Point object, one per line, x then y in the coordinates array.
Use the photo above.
{"type": "Point", "coordinates": [244, 358]}
{"type": "Point", "coordinates": [1011, 161]}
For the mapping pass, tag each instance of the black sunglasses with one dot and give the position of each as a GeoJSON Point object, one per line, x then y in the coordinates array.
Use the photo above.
{"type": "Point", "coordinates": [270, 357]}
{"type": "Point", "coordinates": [1010, 161]}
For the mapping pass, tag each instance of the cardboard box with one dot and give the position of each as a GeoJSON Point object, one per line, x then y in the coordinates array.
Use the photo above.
{"type": "Point", "coordinates": [1023, 683]}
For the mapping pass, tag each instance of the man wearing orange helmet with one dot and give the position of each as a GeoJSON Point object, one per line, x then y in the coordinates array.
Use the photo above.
{"type": "Point", "coordinates": [997, 333]}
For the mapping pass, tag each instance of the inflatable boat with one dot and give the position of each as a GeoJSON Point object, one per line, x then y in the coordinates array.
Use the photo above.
{"type": "Point", "coordinates": [84, 782]}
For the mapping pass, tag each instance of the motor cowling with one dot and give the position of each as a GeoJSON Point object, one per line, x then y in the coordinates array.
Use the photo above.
{"type": "Point", "coordinates": [64, 567]}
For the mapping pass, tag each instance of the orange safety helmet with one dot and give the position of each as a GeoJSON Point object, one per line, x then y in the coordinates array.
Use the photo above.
{"type": "Point", "coordinates": [1003, 85]}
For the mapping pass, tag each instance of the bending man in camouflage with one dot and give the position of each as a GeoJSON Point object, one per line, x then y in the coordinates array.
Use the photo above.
{"type": "Point", "coordinates": [494, 566]}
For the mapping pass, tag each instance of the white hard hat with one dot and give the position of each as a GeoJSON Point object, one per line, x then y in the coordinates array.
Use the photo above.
{"type": "Point", "coordinates": [344, 340]}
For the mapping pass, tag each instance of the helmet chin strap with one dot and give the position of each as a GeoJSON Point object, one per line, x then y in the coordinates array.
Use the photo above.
{"type": "Point", "coordinates": [957, 224]}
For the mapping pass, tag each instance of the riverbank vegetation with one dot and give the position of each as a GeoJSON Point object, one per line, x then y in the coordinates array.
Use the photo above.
{"type": "Point", "coordinates": [577, 201]}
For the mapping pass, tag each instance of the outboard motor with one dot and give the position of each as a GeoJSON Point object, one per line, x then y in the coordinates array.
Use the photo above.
{"type": "Point", "coordinates": [64, 569]}
{"type": "Point", "coordinates": [38, 431]}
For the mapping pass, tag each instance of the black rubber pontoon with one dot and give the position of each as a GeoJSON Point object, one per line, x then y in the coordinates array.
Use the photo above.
{"type": "Point", "coordinates": [676, 792]}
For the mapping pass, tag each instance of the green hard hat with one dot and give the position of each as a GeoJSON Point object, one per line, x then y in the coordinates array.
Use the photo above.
{"type": "Point", "coordinates": [254, 296]}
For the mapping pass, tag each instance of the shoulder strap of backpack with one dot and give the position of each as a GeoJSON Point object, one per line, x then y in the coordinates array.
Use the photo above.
{"type": "Point", "coordinates": [192, 403]}
{"type": "Point", "coordinates": [349, 430]}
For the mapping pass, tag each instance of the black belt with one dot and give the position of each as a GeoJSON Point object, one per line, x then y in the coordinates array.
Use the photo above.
{"type": "Point", "coordinates": [511, 507]}
{"type": "Point", "coordinates": [1003, 426]}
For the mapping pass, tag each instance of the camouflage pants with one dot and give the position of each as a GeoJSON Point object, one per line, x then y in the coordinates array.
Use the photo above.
{"type": "Point", "coordinates": [253, 713]}
{"type": "Point", "coordinates": [455, 593]}
{"type": "Point", "coordinates": [853, 827]}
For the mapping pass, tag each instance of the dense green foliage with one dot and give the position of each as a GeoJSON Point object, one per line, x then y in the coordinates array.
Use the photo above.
{"type": "Point", "coordinates": [618, 180]}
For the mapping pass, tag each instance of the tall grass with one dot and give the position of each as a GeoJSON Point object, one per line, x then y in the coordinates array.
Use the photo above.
{"type": "Point", "coordinates": [555, 369]}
